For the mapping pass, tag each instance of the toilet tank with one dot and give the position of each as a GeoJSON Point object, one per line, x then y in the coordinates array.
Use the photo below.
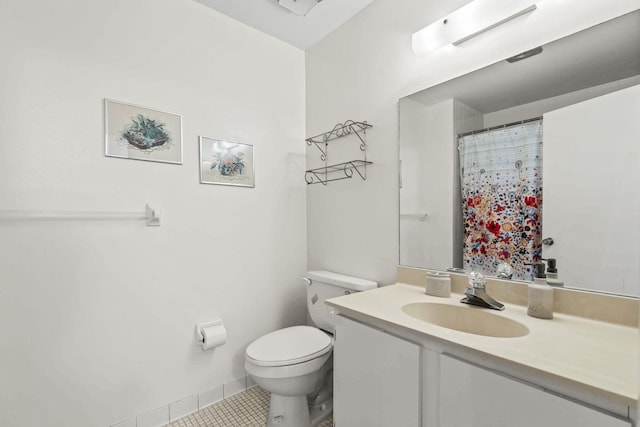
{"type": "Point", "coordinates": [322, 285]}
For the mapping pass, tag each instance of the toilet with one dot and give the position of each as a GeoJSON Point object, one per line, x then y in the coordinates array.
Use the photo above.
{"type": "Point", "coordinates": [295, 364]}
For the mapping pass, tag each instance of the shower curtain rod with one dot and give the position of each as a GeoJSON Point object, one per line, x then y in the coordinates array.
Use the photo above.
{"type": "Point", "coordinates": [521, 122]}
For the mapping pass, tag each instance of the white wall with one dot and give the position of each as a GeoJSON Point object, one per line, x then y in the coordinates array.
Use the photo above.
{"type": "Point", "coordinates": [429, 174]}
{"type": "Point", "coordinates": [440, 190]}
{"type": "Point", "coordinates": [360, 71]}
{"type": "Point", "coordinates": [414, 203]}
{"type": "Point", "coordinates": [466, 119]}
{"type": "Point", "coordinates": [97, 318]}
{"type": "Point", "coordinates": [597, 188]}
{"type": "Point", "coordinates": [538, 108]}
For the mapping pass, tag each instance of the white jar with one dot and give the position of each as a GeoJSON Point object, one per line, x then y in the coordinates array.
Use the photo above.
{"type": "Point", "coordinates": [540, 301]}
{"type": "Point", "coordinates": [438, 284]}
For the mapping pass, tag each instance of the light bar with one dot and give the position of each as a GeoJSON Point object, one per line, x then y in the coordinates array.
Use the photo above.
{"type": "Point", "coordinates": [467, 22]}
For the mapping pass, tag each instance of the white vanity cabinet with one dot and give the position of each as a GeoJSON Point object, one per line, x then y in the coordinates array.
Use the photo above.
{"type": "Point", "coordinates": [382, 380]}
{"type": "Point", "coordinates": [395, 370]}
{"type": "Point", "coordinates": [376, 378]}
{"type": "Point", "coordinates": [473, 396]}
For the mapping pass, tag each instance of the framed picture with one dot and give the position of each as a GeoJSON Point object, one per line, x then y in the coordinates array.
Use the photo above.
{"type": "Point", "coordinates": [141, 133]}
{"type": "Point", "coordinates": [226, 162]}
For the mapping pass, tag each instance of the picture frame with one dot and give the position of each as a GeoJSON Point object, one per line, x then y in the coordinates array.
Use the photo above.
{"type": "Point", "coordinates": [142, 133]}
{"type": "Point", "coordinates": [224, 162]}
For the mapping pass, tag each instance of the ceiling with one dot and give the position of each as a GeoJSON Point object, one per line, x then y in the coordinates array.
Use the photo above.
{"type": "Point", "coordinates": [300, 31]}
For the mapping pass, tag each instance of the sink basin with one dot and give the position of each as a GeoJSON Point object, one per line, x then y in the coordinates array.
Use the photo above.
{"type": "Point", "coordinates": [472, 320]}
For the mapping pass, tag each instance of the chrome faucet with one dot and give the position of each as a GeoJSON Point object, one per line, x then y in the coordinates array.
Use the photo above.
{"type": "Point", "coordinates": [476, 293]}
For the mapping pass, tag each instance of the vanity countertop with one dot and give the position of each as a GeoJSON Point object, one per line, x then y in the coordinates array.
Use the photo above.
{"type": "Point", "coordinates": [600, 356]}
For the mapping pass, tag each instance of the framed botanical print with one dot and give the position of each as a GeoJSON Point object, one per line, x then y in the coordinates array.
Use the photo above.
{"type": "Point", "coordinates": [142, 133]}
{"type": "Point", "coordinates": [226, 162]}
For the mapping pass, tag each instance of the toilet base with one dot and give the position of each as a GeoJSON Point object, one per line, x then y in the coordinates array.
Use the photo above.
{"type": "Point", "coordinates": [288, 411]}
{"type": "Point", "coordinates": [319, 413]}
{"type": "Point", "coordinates": [321, 403]}
{"type": "Point", "coordinates": [295, 411]}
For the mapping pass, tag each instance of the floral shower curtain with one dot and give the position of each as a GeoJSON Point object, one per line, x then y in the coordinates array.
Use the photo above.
{"type": "Point", "coordinates": [501, 182]}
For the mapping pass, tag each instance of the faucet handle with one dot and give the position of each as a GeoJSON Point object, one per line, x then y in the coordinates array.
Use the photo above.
{"type": "Point", "coordinates": [477, 280]}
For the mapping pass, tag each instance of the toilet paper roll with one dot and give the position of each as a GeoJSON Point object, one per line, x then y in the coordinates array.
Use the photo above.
{"type": "Point", "coordinates": [213, 336]}
{"type": "Point", "coordinates": [438, 284]}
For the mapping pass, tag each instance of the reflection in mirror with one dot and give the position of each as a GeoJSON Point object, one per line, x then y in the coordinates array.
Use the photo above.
{"type": "Point", "coordinates": [586, 88]}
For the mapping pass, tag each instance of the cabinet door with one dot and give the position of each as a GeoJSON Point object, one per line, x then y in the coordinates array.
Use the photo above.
{"type": "Point", "coordinates": [376, 378]}
{"type": "Point", "coordinates": [472, 396]}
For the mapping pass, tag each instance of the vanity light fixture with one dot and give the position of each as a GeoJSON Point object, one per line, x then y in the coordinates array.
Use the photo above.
{"type": "Point", "coordinates": [467, 22]}
{"type": "Point", "coordinates": [299, 7]}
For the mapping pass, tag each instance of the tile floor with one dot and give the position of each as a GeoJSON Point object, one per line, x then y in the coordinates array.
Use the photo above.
{"type": "Point", "coordinates": [247, 409]}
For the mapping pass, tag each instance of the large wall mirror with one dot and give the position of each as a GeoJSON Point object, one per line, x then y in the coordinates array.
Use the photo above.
{"type": "Point", "coordinates": [585, 89]}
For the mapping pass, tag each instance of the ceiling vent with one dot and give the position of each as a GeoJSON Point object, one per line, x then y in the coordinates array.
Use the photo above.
{"type": "Point", "coordinates": [299, 7]}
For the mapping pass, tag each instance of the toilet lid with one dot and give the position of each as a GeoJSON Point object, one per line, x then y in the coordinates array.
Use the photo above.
{"type": "Point", "coordinates": [289, 346]}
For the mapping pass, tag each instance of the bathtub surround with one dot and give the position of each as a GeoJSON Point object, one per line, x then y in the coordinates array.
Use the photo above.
{"type": "Point", "coordinates": [114, 303]}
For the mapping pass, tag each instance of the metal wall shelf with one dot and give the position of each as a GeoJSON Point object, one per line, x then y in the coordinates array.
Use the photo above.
{"type": "Point", "coordinates": [336, 172]}
{"type": "Point", "coordinates": [339, 171]}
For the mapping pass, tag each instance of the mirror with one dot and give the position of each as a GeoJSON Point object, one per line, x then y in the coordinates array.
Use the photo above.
{"type": "Point", "coordinates": [586, 88]}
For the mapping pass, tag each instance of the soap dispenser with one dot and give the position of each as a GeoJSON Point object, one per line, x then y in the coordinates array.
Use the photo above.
{"type": "Point", "coordinates": [540, 301]}
{"type": "Point", "coordinates": [552, 273]}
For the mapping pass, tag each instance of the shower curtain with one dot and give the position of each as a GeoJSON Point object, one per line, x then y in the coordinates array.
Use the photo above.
{"type": "Point", "coordinates": [501, 183]}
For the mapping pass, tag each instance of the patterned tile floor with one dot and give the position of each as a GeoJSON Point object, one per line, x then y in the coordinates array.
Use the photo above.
{"type": "Point", "coordinates": [247, 409]}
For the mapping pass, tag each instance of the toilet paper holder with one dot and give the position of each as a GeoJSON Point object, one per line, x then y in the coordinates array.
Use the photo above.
{"type": "Point", "coordinates": [200, 327]}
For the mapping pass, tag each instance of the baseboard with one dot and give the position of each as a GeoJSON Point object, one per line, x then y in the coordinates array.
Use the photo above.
{"type": "Point", "coordinates": [181, 408]}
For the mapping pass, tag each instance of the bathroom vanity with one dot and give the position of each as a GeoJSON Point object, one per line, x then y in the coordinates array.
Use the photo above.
{"type": "Point", "coordinates": [395, 366]}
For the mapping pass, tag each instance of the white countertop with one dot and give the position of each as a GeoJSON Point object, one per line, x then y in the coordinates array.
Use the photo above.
{"type": "Point", "coordinates": [601, 356]}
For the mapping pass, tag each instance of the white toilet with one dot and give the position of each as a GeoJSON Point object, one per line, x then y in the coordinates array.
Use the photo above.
{"type": "Point", "coordinates": [295, 363]}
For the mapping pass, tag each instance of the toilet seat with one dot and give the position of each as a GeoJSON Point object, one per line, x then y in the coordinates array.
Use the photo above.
{"type": "Point", "coordinates": [289, 346]}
